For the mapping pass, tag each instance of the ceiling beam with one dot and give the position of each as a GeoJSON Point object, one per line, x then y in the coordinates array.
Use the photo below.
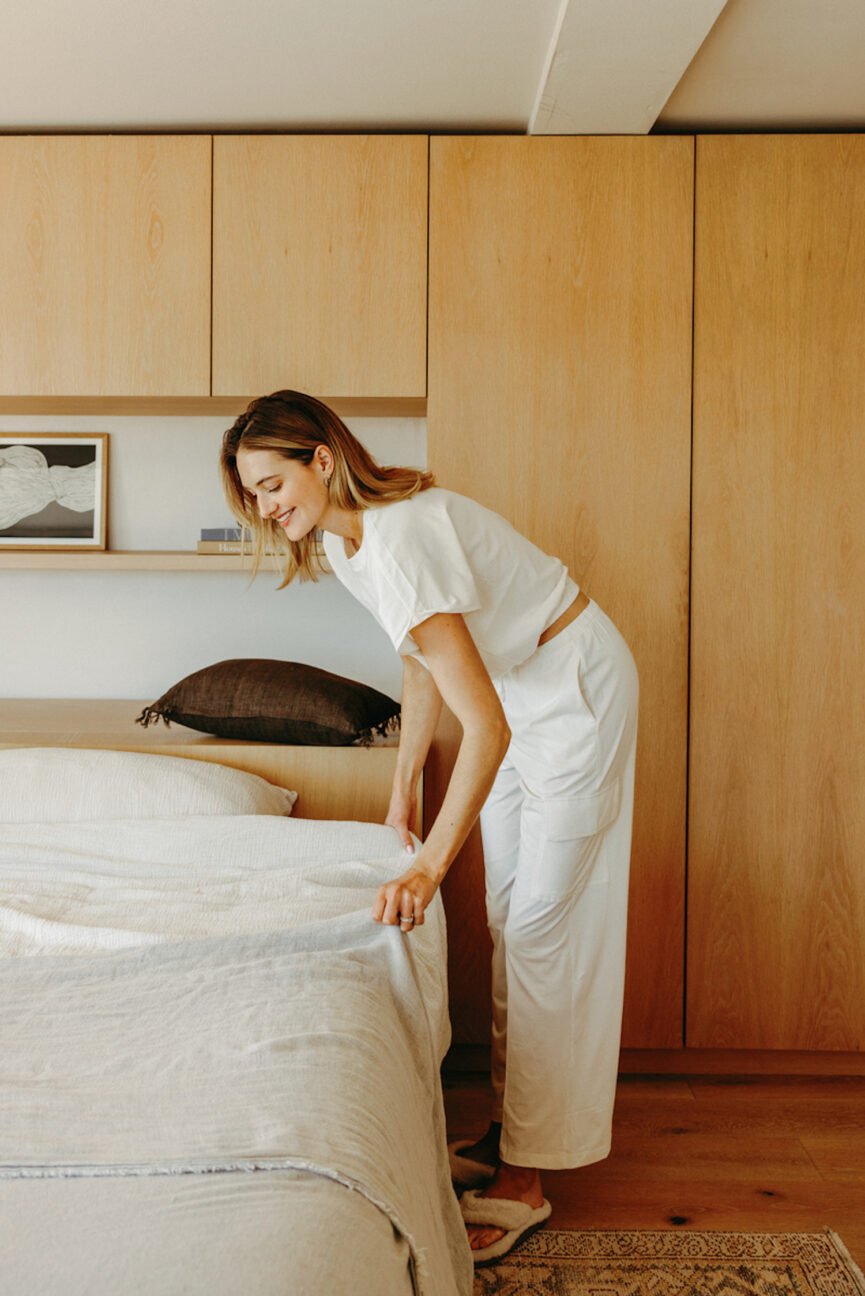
{"type": "Point", "coordinates": [613, 64]}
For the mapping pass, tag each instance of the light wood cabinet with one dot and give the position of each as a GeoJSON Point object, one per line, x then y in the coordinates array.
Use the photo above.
{"type": "Point", "coordinates": [559, 395]}
{"type": "Point", "coordinates": [105, 265]}
{"type": "Point", "coordinates": [776, 901]}
{"type": "Point", "coordinates": [319, 269]}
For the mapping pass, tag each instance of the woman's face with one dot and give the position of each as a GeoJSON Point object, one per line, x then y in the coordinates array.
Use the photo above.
{"type": "Point", "coordinates": [291, 493]}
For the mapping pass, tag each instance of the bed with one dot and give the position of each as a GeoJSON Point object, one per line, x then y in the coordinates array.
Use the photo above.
{"type": "Point", "coordinates": [217, 1073]}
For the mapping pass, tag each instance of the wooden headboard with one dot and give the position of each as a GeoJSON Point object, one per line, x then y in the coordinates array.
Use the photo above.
{"type": "Point", "coordinates": [332, 782]}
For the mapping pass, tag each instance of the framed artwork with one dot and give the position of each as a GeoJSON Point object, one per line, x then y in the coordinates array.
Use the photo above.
{"type": "Point", "coordinates": [53, 488]}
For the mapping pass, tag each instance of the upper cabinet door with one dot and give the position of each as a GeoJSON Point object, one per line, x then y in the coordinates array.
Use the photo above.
{"type": "Point", "coordinates": [319, 271]}
{"type": "Point", "coordinates": [105, 265]}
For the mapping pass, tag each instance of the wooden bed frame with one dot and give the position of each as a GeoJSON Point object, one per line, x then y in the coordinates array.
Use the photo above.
{"type": "Point", "coordinates": [332, 782]}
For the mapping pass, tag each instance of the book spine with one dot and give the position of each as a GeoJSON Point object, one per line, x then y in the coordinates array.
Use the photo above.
{"type": "Point", "coordinates": [220, 533]}
{"type": "Point", "coordinates": [225, 547]}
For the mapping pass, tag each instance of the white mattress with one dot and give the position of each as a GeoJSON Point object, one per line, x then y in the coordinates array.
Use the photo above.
{"type": "Point", "coordinates": [205, 1038]}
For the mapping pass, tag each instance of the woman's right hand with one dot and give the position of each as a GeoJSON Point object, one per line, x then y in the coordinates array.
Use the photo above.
{"type": "Point", "coordinates": [401, 816]}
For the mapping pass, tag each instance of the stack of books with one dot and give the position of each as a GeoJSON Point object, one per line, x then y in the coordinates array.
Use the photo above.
{"type": "Point", "coordinates": [226, 540]}
{"type": "Point", "coordinates": [223, 540]}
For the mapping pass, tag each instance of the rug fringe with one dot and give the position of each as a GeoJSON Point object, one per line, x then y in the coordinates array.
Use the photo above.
{"type": "Point", "coordinates": [855, 1272]}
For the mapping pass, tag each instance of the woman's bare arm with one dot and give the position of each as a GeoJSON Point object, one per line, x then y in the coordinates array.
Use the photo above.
{"type": "Point", "coordinates": [464, 683]}
{"type": "Point", "coordinates": [421, 707]}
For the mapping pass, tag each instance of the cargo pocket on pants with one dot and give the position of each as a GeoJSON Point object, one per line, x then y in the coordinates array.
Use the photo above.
{"type": "Point", "coordinates": [571, 830]}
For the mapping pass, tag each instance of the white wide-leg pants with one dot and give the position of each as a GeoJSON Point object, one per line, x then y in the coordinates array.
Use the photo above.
{"type": "Point", "coordinates": [556, 832]}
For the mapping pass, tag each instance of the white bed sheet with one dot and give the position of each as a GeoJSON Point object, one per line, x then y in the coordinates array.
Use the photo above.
{"type": "Point", "coordinates": [207, 1002]}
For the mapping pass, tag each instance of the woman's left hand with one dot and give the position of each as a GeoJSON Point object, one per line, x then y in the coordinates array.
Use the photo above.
{"type": "Point", "coordinates": [404, 900]}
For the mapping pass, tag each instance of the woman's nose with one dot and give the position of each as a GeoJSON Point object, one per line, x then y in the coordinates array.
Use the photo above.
{"type": "Point", "coordinates": [266, 506]}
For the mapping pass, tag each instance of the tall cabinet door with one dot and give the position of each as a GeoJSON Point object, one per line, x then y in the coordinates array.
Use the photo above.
{"type": "Point", "coordinates": [320, 264]}
{"type": "Point", "coordinates": [105, 265]}
{"type": "Point", "coordinates": [776, 928]}
{"type": "Point", "coordinates": [560, 396]}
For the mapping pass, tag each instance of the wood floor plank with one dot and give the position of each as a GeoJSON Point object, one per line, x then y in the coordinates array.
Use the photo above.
{"type": "Point", "coordinates": [650, 1088]}
{"type": "Point", "coordinates": [836, 1156]}
{"type": "Point", "coordinates": [666, 1157]}
{"type": "Point", "coordinates": [811, 1088]}
{"type": "Point", "coordinates": [583, 1200]}
{"type": "Point", "coordinates": [795, 1119]}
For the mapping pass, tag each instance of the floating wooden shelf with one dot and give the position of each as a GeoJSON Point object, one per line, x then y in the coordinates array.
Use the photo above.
{"type": "Point", "coordinates": [124, 560]}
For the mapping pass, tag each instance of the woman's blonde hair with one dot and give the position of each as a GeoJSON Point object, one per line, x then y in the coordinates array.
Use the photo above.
{"type": "Point", "coordinates": [293, 425]}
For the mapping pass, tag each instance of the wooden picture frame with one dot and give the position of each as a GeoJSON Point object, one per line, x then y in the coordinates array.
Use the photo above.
{"type": "Point", "coordinates": [53, 490]}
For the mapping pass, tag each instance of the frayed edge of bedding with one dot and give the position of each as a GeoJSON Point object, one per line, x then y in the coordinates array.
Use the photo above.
{"type": "Point", "coordinates": [130, 1170]}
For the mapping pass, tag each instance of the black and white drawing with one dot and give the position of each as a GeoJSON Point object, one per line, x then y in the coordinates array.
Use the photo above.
{"type": "Point", "coordinates": [53, 490]}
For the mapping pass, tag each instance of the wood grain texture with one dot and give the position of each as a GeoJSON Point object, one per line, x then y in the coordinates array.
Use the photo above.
{"type": "Point", "coordinates": [319, 271]}
{"type": "Point", "coordinates": [559, 395]}
{"type": "Point", "coordinates": [777, 818]}
{"type": "Point", "coordinates": [105, 265]}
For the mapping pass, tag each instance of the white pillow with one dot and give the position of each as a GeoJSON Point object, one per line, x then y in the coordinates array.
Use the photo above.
{"type": "Point", "coordinates": [70, 784]}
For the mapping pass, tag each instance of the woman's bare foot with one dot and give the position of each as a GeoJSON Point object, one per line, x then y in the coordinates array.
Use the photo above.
{"type": "Point", "coordinates": [516, 1183]}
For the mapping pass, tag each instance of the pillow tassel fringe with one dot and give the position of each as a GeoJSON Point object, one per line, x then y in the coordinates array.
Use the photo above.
{"type": "Point", "coordinates": [380, 734]}
{"type": "Point", "coordinates": [150, 715]}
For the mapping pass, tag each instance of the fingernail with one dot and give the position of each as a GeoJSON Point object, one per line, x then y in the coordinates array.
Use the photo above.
{"type": "Point", "coordinates": [409, 850]}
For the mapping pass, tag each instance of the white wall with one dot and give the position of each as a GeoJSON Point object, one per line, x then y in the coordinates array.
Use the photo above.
{"type": "Point", "coordinates": [117, 634]}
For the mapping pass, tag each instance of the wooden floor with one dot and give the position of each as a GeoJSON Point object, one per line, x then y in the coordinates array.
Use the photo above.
{"type": "Point", "coordinates": [767, 1154]}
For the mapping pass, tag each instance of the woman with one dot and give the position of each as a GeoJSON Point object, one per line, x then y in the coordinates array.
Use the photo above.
{"type": "Point", "coordinates": [545, 689]}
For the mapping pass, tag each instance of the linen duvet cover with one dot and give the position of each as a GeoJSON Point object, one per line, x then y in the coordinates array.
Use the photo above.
{"type": "Point", "coordinates": [217, 1073]}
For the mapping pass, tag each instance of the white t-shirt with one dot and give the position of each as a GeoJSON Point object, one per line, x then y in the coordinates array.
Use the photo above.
{"type": "Point", "coordinates": [442, 552]}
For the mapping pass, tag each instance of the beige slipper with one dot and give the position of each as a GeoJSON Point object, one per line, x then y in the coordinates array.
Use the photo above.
{"type": "Point", "coordinates": [519, 1219]}
{"type": "Point", "coordinates": [465, 1172]}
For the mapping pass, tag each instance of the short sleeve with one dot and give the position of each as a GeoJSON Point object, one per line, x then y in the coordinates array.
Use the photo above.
{"type": "Point", "coordinates": [425, 562]}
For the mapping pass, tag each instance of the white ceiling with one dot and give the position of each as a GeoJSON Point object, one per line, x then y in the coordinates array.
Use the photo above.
{"type": "Point", "coordinates": [542, 66]}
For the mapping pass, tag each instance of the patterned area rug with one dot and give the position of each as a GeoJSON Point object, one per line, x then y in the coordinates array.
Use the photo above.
{"type": "Point", "coordinates": [602, 1262]}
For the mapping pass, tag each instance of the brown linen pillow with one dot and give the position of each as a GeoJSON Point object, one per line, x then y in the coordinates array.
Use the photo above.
{"type": "Point", "coordinates": [278, 701]}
